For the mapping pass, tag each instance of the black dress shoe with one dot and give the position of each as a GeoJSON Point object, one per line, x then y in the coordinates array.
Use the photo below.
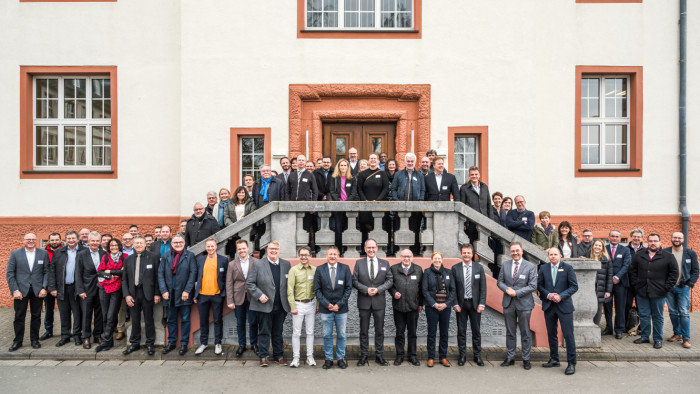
{"type": "Point", "coordinates": [478, 361]}
{"type": "Point", "coordinates": [132, 348]}
{"type": "Point", "coordinates": [570, 369]}
{"type": "Point", "coordinates": [462, 360]}
{"type": "Point", "coordinates": [606, 332]}
{"type": "Point", "coordinates": [46, 336]}
{"type": "Point", "coordinates": [240, 351]}
{"type": "Point", "coordinates": [15, 346]}
{"type": "Point", "coordinates": [97, 339]}
{"type": "Point", "coordinates": [62, 342]}
{"type": "Point", "coordinates": [36, 344]}
{"type": "Point", "coordinates": [618, 335]}
{"type": "Point", "coordinates": [99, 348]}
{"type": "Point", "coordinates": [640, 340]}
{"type": "Point", "coordinates": [256, 349]}
{"type": "Point", "coordinates": [151, 350]}
{"type": "Point", "coordinates": [526, 364]}
{"type": "Point", "coordinates": [182, 351]}
{"type": "Point", "coordinates": [328, 364]}
{"type": "Point", "coordinates": [381, 361]}
{"type": "Point", "coordinates": [507, 363]}
{"type": "Point", "coordinates": [169, 348]}
{"type": "Point", "coordinates": [342, 364]}
{"type": "Point", "coordinates": [77, 341]}
{"type": "Point", "coordinates": [657, 344]}
{"type": "Point", "coordinates": [362, 361]}
{"type": "Point", "coordinates": [551, 363]}
{"type": "Point", "coordinates": [414, 361]}
{"type": "Point", "coordinates": [398, 361]}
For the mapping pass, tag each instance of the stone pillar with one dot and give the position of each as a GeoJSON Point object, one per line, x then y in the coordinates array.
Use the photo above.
{"type": "Point", "coordinates": [352, 238]}
{"type": "Point", "coordinates": [378, 233]}
{"type": "Point", "coordinates": [482, 244]}
{"type": "Point", "coordinates": [284, 232]}
{"type": "Point", "coordinates": [403, 237]}
{"type": "Point", "coordinates": [324, 236]}
{"type": "Point", "coordinates": [426, 237]}
{"type": "Point", "coordinates": [585, 301]}
{"type": "Point", "coordinates": [445, 240]}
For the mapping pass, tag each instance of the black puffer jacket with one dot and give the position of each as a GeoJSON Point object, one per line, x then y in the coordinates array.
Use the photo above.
{"type": "Point", "coordinates": [604, 280]}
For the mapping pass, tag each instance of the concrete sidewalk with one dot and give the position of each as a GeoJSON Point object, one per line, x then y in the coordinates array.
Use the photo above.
{"type": "Point", "coordinates": [611, 349]}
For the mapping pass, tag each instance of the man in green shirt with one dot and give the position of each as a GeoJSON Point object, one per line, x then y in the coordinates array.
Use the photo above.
{"type": "Point", "coordinates": [300, 293]}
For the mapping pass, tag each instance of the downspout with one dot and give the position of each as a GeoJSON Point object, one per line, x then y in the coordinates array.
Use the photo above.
{"type": "Point", "coordinates": [685, 216]}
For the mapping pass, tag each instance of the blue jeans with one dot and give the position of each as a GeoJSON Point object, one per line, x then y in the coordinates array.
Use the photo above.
{"type": "Point", "coordinates": [341, 321]}
{"type": "Point", "coordinates": [184, 311]}
{"type": "Point", "coordinates": [435, 318]}
{"type": "Point", "coordinates": [651, 309]}
{"type": "Point", "coordinates": [678, 300]}
{"type": "Point", "coordinates": [243, 312]}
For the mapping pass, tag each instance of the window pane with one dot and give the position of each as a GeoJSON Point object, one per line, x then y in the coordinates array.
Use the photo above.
{"type": "Point", "coordinates": [459, 161]}
{"type": "Point", "coordinates": [97, 158]}
{"type": "Point", "coordinates": [340, 145]}
{"type": "Point", "coordinates": [388, 5]}
{"type": "Point", "coordinates": [367, 5]}
{"type": "Point", "coordinates": [247, 161]}
{"type": "Point", "coordinates": [313, 5]}
{"type": "Point", "coordinates": [460, 175]}
{"type": "Point", "coordinates": [259, 160]}
{"type": "Point", "coordinates": [259, 145]}
{"type": "Point", "coordinates": [69, 156]}
{"type": "Point", "coordinates": [107, 108]}
{"type": "Point", "coordinates": [108, 135]}
{"type": "Point", "coordinates": [405, 5]}
{"type": "Point", "coordinates": [80, 135]}
{"type": "Point", "coordinates": [376, 145]}
{"type": "Point", "coordinates": [387, 19]}
{"type": "Point", "coordinates": [459, 144]}
{"type": "Point", "coordinates": [97, 112]}
{"type": "Point", "coordinates": [351, 5]}
{"type": "Point", "coordinates": [330, 5]}
{"type": "Point", "coordinates": [404, 20]}
{"type": "Point", "coordinates": [594, 154]}
{"type": "Point", "coordinates": [96, 135]}
{"type": "Point", "coordinates": [330, 19]}
{"type": "Point", "coordinates": [97, 88]}
{"type": "Point", "coordinates": [351, 19]}
{"type": "Point", "coordinates": [108, 156]}
{"type": "Point", "coordinates": [247, 145]}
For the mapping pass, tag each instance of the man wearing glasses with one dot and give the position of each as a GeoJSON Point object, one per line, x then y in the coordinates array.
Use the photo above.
{"type": "Point", "coordinates": [127, 250]}
{"type": "Point", "coordinates": [300, 293]}
{"type": "Point", "coordinates": [27, 278]}
{"type": "Point", "coordinates": [407, 302]}
{"type": "Point", "coordinates": [200, 226]}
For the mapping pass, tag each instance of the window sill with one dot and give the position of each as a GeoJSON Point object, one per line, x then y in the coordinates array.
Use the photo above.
{"type": "Point", "coordinates": [360, 34]}
{"type": "Point", "coordinates": [608, 170]}
{"type": "Point", "coordinates": [68, 174]}
{"type": "Point", "coordinates": [354, 31]}
{"type": "Point", "coordinates": [609, 173]}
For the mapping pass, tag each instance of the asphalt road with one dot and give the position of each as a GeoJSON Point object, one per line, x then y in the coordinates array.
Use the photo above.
{"type": "Point", "coordinates": [216, 377]}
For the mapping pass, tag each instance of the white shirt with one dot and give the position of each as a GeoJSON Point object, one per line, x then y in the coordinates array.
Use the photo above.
{"type": "Point", "coordinates": [477, 188]}
{"type": "Point", "coordinates": [273, 262]}
{"type": "Point", "coordinates": [566, 250]}
{"type": "Point", "coordinates": [438, 180]}
{"type": "Point", "coordinates": [375, 263]}
{"type": "Point", "coordinates": [244, 267]}
{"type": "Point", "coordinates": [30, 258]}
{"type": "Point", "coordinates": [512, 268]}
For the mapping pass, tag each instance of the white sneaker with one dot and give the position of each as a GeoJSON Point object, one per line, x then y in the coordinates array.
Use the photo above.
{"type": "Point", "coordinates": [294, 363]}
{"type": "Point", "coordinates": [200, 350]}
{"type": "Point", "coordinates": [218, 350]}
{"type": "Point", "coordinates": [310, 361]}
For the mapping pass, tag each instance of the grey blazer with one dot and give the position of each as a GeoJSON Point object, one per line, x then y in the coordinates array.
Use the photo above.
{"type": "Point", "coordinates": [524, 285]}
{"type": "Point", "coordinates": [19, 277]}
{"type": "Point", "coordinates": [383, 280]}
{"type": "Point", "coordinates": [260, 282]}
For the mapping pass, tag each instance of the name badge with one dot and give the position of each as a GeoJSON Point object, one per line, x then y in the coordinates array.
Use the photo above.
{"type": "Point", "coordinates": [383, 268]}
{"type": "Point", "coordinates": [447, 277]}
{"type": "Point", "coordinates": [340, 282]}
{"type": "Point", "coordinates": [286, 276]}
{"type": "Point", "coordinates": [524, 220]}
{"type": "Point", "coordinates": [619, 256]}
{"type": "Point", "coordinates": [149, 266]}
{"type": "Point", "coordinates": [377, 176]}
{"type": "Point", "coordinates": [348, 184]}
{"type": "Point", "coordinates": [304, 180]}
{"type": "Point", "coordinates": [42, 261]}
{"type": "Point", "coordinates": [561, 270]}
{"type": "Point", "coordinates": [444, 188]}
{"type": "Point", "coordinates": [310, 277]}
{"type": "Point", "coordinates": [522, 276]}
{"type": "Point", "coordinates": [413, 277]}
{"type": "Point", "coordinates": [221, 269]}
{"type": "Point", "coordinates": [687, 261]}
{"type": "Point", "coordinates": [415, 179]}
{"type": "Point", "coordinates": [477, 276]}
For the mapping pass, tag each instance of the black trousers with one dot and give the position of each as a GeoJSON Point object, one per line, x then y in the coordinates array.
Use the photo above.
{"type": "Point", "coordinates": [551, 316]}
{"type": "Point", "coordinates": [378, 316]}
{"type": "Point", "coordinates": [34, 303]}
{"type": "Point", "coordinates": [49, 305]}
{"type": "Point", "coordinates": [70, 305]}
{"type": "Point", "coordinates": [414, 224]}
{"type": "Point", "coordinates": [141, 304]}
{"type": "Point", "coordinates": [90, 307]}
{"type": "Point", "coordinates": [205, 303]}
{"type": "Point", "coordinates": [471, 316]}
{"type": "Point", "coordinates": [404, 320]}
{"type": "Point", "coordinates": [619, 295]}
{"type": "Point", "coordinates": [110, 304]}
{"type": "Point", "coordinates": [631, 296]}
{"type": "Point", "coordinates": [270, 330]}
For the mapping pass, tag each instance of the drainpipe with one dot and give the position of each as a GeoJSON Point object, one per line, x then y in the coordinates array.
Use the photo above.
{"type": "Point", "coordinates": [685, 216]}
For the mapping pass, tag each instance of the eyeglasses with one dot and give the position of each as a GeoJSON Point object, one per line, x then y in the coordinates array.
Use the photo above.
{"type": "Point", "coordinates": [177, 242]}
{"type": "Point", "coordinates": [273, 248]}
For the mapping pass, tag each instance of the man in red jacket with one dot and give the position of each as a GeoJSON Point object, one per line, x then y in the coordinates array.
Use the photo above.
{"type": "Point", "coordinates": [49, 300]}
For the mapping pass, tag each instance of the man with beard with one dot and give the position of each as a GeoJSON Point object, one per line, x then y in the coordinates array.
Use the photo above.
{"type": "Point", "coordinates": [678, 299]}
{"type": "Point", "coordinates": [50, 300]}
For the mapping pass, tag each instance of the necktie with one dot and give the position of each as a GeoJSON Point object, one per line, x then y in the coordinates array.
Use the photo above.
{"type": "Point", "coordinates": [468, 282]}
{"type": "Point", "coordinates": [286, 176]}
{"type": "Point", "coordinates": [371, 270]}
{"type": "Point", "coordinates": [405, 270]}
{"type": "Point", "coordinates": [333, 277]}
{"type": "Point", "coordinates": [554, 274]}
{"type": "Point", "coordinates": [613, 251]}
{"type": "Point", "coordinates": [515, 271]}
{"type": "Point", "coordinates": [138, 270]}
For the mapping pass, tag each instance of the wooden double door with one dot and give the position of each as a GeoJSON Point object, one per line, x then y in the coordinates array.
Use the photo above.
{"type": "Point", "coordinates": [367, 138]}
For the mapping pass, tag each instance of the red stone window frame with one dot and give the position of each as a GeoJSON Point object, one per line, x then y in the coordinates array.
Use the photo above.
{"type": "Point", "coordinates": [416, 33]}
{"type": "Point", "coordinates": [236, 134]}
{"type": "Point", "coordinates": [482, 132]}
{"type": "Point", "coordinates": [607, 1]}
{"type": "Point", "coordinates": [26, 122]}
{"type": "Point", "coordinates": [636, 119]}
{"type": "Point", "coordinates": [67, 1]}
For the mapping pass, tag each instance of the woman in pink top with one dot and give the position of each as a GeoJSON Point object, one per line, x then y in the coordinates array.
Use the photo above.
{"type": "Point", "coordinates": [109, 276]}
{"type": "Point", "coordinates": [343, 187]}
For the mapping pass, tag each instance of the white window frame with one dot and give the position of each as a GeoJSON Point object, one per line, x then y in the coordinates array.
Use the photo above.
{"type": "Point", "coordinates": [602, 121]}
{"type": "Point", "coordinates": [377, 19]}
{"type": "Point", "coordinates": [256, 170]}
{"type": "Point", "coordinates": [477, 142]}
{"type": "Point", "coordinates": [61, 122]}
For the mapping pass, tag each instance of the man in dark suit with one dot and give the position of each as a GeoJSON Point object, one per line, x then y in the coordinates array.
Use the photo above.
{"type": "Point", "coordinates": [333, 286]}
{"type": "Point", "coordinates": [323, 176]}
{"type": "Point", "coordinates": [621, 258]}
{"type": "Point", "coordinates": [517, 280]}
{"type": "Point", "coordinates": [267, 285]}
{"type": "Point", "coordinates": [475, 194]}
{"type": "Point", "coordinates": [301, 184]}
{"type": "Point", "coordinates": [409, 185]}
{"type": "Point", "coordinates": [470, 282]}
{"type": "Point", "coordinates": [162, 245]}
{"type": "Point", "coordinates": [635, 245]}
{"type": "Point", "coordinates": [407, 304]}
{"type": "Point", "coordinates": [140, 288]}
{"type": "Point", "coordinates": [520, 220]}
{"type": "Point", "coordinates": [556, 283]}
{"type": "Point", "coordinates": [86, 287]}
{"type": "Point", "coordinates": [440, 185]}
{"type": "Point", "coordinates": [372, 278]}
{"type": "Point", "coordinates": [678, 299]}
{"type": "Point", "coordinates": [286, 170]}
{"type": "Point", "coordinates": [62, 286]}
{"type": "Point", "coordinates": [237, 296]}
{"type": "Point", "coordinates": [50, 300]}
{"type": "Point", "coordinates": [354, 162]}
{"type": "Point", "coordinates": [27, 278]}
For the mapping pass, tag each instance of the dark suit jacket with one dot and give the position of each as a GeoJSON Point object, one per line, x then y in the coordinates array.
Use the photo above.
{"type": "Point", "coordinates": [480, 202]}
{"type": "Point", "coordinates": [57, 271]}
{"type": "Point", "coordinates": [689, 271]}
{"type": "Point", "coordinates": [275, 192]}
{"type": "Point", "coordinates": [183, 281]}
{"type": "Point", "coordinates": [356, 170]}
{"type": "Point", "coordinates": [566, 286]}
{"type": "Point", "coordinates": [196, 232]}
{"type": "Point", "coordinates": [326, 294]}
{"type": "Point", "coordinates": [235, 280]}
{"type": "Point", "coordinates": [304, 189]}
{"type": "Point", "coordinates": [148, 275]}
{"type": "Point", "coordinates": [478, 284]}
{"type": "Point", "coordinates": [19, 277]}
{"type": "Point", "coordinates": [448, 187]}
{"type": "Point", "coordinates": [335, 187]}
{"type": "Point", "coordinates": [155, 246]}
{"type": "Point", "coordinates": [221, 267]}
{"type": "Point", "coordinates": [280, 176]}
{"type": "Point", "coordinates": [260, 281]}
{"type": "Point", "coordinates": [620, 263]}
{"type": "Point", "coordinates": [518, 226]}
{"type": "Point", "coordinates": [383, 279]}
{"type": "Point", "coordinates": [323, 183]}
{"type": "Point", "coordinates": [86, 273]}
{"type": "Point", "coordinates": [410, 287]}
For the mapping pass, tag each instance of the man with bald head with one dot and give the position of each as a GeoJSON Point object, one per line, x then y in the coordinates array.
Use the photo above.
{"type": "Point", "coordinates": [83, 237]}
{"type": "Point", "coordinates": [301, 184]}
{"type": "Point", "coordinates": [354, 162]}
{"type": "Point", "coordinates": [200, 226]}
{"type": "Point", "coordinates": [86, 264]}
{"type": "Point", "coordinates": [27, 278]}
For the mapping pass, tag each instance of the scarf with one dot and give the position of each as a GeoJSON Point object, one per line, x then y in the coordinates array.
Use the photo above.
{"type": "Point", "coordinates": [176, 260]}
{"type": "Point", "coordinates": [116, 257]}
{"type": "Point", "coordinates": [440, 287]}
{"type": "Point", "coordinates": [549, 229]}
{"type": "Point", "coordinates": [263, 189]}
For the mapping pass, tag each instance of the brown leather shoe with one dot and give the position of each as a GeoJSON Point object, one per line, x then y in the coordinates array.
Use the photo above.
{"type": "Point", "coordinates": [263, 362]}
{"type": "Point", "coordinates": [445, 363]}
{"type": "Point", "coordinates": [119, 336]}
{"type": "Point", "coordinates": [686, 344]}
{"type": "Point", "coordinates": [282, 361]}
{"type": "Point", "coordinates": [431, 363]}
{"type": "Point", "coordinates": [674, 338]}
{"type": "Point", "coordinates": [86, 343]}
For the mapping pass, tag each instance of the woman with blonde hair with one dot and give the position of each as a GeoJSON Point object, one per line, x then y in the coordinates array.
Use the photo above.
{"type": "Point", "coordinates": [439, 294]}
{"type": "Point", "coordinates": [342, 187]}
{"type": "Point", "coordinates": [604, 277]}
